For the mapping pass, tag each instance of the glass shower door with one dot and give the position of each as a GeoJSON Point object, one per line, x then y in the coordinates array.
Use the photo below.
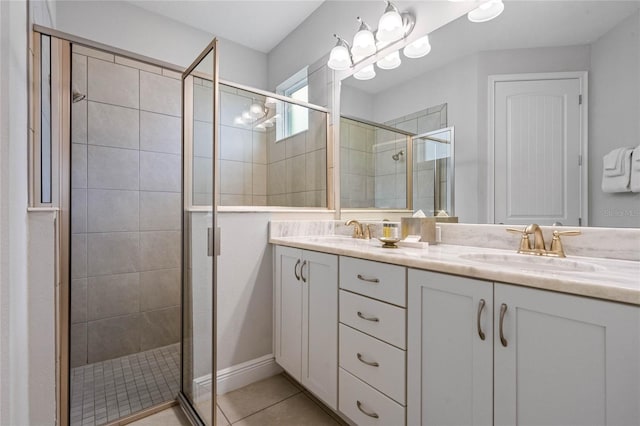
{"type": "Point", "coordinates": [200, 107]}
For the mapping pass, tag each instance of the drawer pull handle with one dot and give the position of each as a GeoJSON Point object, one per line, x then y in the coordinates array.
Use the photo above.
{"type": "Point", "coordinates": [366, 413]}
{"type": "Point", "coordinates": [295, 270]}
{"type": "Point", "coordinates": [480, 308]}
{"type": "Point", "coordinates": [372, 319]}
{"type": "Point", "coordinates": [503, 311]}
{"type": "Point", "coordinates": [364, 361]}
{"type": "Point", "coordinates": [369, 280]}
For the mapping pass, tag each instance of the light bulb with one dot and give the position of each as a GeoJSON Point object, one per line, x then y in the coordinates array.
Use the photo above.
{"type": "Point", "coordinates": [390, 61]}
{"type": "Point", "coordinates": [268, 123]}
{"type": "Point", "coordinates": [390, 26]}
{"type": "Point", "coordinates": [339, 59]}
{"type": "Point", "coordinates": [239, 121]}
{"type": "Point", "coordinates": [417, 48]}
{"type": "Point", "coordinates": [486, 11]}
{"type": "Point", "coordinates": [363, 43]}
{"type": "Point", "coordinates": [256, 110]}
{"type": "Point", "coordinates": [246, 116]}
{"type": "Point", "coordinates": [366, 73]}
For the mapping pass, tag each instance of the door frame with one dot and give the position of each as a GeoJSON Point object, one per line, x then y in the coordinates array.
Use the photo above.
{"type": "Point", "coordinates": [582, 77]}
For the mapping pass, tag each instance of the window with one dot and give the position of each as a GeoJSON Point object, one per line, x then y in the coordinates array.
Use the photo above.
{"type": "Point", "coordinates": [296, 118]}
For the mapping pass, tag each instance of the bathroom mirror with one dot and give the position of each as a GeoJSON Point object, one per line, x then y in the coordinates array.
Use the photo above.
{"type": "Point", "coordinates": [597, 43]}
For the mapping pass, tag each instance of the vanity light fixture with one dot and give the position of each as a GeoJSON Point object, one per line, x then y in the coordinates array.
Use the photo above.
{"type": "Point", "coordinates": [486, 11]}
{"type": "Point", "coordinates": [389, 62]}
{"type": "Point", "coordinates": [366, 73]}
{"type": "Point", "coordinates": [340, 57]}
{"type": "Point", "coordinates": [364, 43]}
{"type": "Point", "coordinates": [418, 48]}
{"type": "Point", "coordinates": [390, 25]}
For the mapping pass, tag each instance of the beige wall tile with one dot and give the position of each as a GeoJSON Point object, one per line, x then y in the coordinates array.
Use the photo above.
{"type": "Point", "coordinates": [159, 328]}
{"type": "Point", "coordinates": [113, 84]}
{"type": "Point", "coordinates": [159, 250]}
{"type": "Point", "coordinates": [137, 64]}
{"type": "Point", "coordinates": [94, 53]}
{"type": "Point", "coordinates": [259, 147]}
{"type": "Point", "coordinates": [232, 105]}
{"type": "Point", "coordinates": [111, 125]}
{"type": "Point", "coordinates": [296, 144]}
{"type": "Point", "coordinates": [203, 105]}
{"type": "Point", "coordinates": [203, 139]}
{"type": "Point", "coordinates": [112, 210]}
{"type": "Point", "coordinates": [78, 350]}
{"type": "Point", "coordinates": [79, 121]}
{"type": "Point", "coordinates": [113, 295]}
{"type": "Point", "coordinates": [78, 300]}
{"type": "Point", "coordinates": [160, 133]}
{"type": "Point", "coordinates": [259, 179]}
{"type": "Point", "coordinates": [231, 177]}
{"type": "Point", "coordinates": [113, 337]}
{"type": "Point", "coordinates": [160, 211]}
{"type": "Point", "coordinates": [236, 144]}
{"type": "Point", "coordinates": [79, 256]}
{"type": "Point", "coordinates": [78, 165]}
{"type": "Point", "coordinates": [160, 172]}
{"type": "Point", "coordinates": [78, 211]}
{"type": "Point", "coordinates": [159, 289]}
{"type": "Point", "coordinates": [112, 168]}
{"type": "Point", "coordinates": [160, 94]}
{"type": "Point", "coordinates": [276, 178]}
{"type": "Point", "coordinates": [112, 253]}
{"type": "Point", "coordinates": [202, 175]}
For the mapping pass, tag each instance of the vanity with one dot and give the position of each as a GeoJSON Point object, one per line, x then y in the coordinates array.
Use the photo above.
{"type": "Point", "coordinates": [457, 334]}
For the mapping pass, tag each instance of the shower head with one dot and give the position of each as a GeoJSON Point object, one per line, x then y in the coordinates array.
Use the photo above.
{"type": "Point", "coordinates": [397, 155]}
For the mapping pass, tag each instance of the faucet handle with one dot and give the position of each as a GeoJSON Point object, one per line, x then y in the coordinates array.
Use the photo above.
{"type": "Point", "coordinates": [368, 231]}
{"type": "Point", "coordinates": [525, 243]}
{"type": "Point", "coordinates": [556, 244]}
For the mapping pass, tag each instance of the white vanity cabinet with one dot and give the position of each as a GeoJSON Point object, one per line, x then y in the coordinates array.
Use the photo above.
{"type": "Point", "coordinates": [306, 319]}
{"type": "Point", "coordinates": [546, 358]}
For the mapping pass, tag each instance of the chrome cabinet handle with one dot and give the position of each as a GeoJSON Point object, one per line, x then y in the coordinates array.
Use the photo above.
{"type": "Point", "coordinates": [373, 319]}
{"type": "Point", "coordinates": [480, 308]}
{"type": "Point", "coordinates": [304, 280]}
{"type": "Point", "coordinates": [364, 361]}
{"type": "Point", "coordinates": [503, 311]}
{"type": "Point", "coordinates": [295, 270]}
{"type": "Point", "coordinates": [369, 280]}
{"type": "Point", "coordinates": [366, 413]}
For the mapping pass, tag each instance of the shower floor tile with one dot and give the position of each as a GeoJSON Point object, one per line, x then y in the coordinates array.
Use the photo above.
{"type": "Point", "coordinates": [108, 390]}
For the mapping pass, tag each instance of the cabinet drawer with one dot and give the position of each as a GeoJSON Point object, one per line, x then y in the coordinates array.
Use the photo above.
{"type": "Point", "coordinates": [377, 280]}
{"type": "Point", "coordinates": [358, 351]}
{"type": "Point", "coordinates": [357, 398]}
{"type": "Point", "coordinates": [381, 320]}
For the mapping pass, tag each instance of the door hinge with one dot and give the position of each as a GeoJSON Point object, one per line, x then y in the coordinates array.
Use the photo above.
{"type": "Point", "coordinates": [579, 159]}
{"type": "Point", "coordinates": [579, 99]}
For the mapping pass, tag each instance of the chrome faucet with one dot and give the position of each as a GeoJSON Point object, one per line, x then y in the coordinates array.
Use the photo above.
{"type": "Point", "coordinates": [555, 249]}
{"type": "Point", "coordinates": [360, 230]}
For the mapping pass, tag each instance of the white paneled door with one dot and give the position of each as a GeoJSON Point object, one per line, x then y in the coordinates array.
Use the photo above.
{"type": "Point", "coordinates": [537, 140]}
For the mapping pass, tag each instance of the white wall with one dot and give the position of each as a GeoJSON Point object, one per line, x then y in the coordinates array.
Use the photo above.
{"type": "Point", "coordinates": [125, 26]}
{"type": "Point", "coordinates": [614, 103]}
{"type": "Point", "coordinates": [356, 103]}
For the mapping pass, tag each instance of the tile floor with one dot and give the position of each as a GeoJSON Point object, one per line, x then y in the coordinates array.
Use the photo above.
{"type": "Point", "coordinates": [273, 401]}
{"type": "Point", "coordinates": [106, 391]}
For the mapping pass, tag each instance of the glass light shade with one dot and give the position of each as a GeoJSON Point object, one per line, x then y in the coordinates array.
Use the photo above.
{"type": "Point", "coordinates": [268, 123]}
{"type": "Point", "coordinates": [246, 116]}
{"type": "Point", "coordinates": [390, 61]}
{"type": "Point", "coordinates": [417, 48]}
{"type": "Point", "coordinates": [363, 44]}
{"type": "Point", "coordinates": [390, 27]}
{"type": "Point", "coordinates": [238, 121]}
{"type": "Point", "coordinates": [366, 73]}
{"type": "Point", "coordinates": [256, 110]}
{"type": "Point", "coordinates": [486, 11]}
{"type": "Point", "coordinates": [339, 59]}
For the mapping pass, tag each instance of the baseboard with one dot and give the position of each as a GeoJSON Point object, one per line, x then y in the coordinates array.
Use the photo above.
{"type": "Point", "coordinates": [237, 376]}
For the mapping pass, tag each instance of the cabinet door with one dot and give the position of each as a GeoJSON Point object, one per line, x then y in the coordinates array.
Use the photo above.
{"type": "Point", "coordinates": [288, 310]}
{"type": "Point", "coordinates": [320, 326]}
{"type": "Point", "coordinates": [450, 367]}
{"type": "Point", "coordinates": [568, 360]}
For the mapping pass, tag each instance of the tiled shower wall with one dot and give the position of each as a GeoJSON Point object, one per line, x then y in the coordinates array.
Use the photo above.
{"type": "Point", "coordinates": [126, 213]}
{"type": "Point", "coordinates": [356, 162]}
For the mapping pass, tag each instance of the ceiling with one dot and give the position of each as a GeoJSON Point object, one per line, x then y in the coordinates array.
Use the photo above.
{"type": "Point", "coordinates": [523, 24]}
{"type": "Point", "coordinates": [261, 25]}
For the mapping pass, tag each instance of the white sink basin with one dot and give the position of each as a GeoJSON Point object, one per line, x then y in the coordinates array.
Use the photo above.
{"type": "Point", "coordinates": [536, 263]}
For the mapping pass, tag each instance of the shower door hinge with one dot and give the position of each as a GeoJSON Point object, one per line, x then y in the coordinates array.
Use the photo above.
{"type": "Point", "coordinates": [579, 99]}
{"type": "Point", "coordinates": [580, 160]}
{"type": "Point", "coordinates": [579, 221]}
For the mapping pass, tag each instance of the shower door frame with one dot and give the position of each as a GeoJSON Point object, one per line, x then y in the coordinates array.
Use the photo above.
{"type": "Point", "coordinates": [61, 53]}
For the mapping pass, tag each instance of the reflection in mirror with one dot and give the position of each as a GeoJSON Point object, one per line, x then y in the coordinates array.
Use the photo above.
{"type": "Point", "coordinates": [597, 42]}
{"type": "Point", "coordinates": [433, 172]}
{"type": "Point", "coordinates": [272, 152]}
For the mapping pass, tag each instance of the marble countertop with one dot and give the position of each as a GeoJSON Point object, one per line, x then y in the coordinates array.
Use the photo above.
{"type": "Point", "coordinates": [607, 279]}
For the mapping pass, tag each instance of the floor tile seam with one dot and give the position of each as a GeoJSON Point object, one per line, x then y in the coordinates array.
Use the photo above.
{"type": "Point", "coordinates": [320, 405]}
{"type": "Point", "coordinates": [267, 407]}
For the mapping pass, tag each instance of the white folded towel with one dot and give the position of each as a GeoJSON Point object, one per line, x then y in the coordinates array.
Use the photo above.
{"type": "Point", "coordinates": [616, 173]}
{"type": "Point", "coordinates": [635, 170]}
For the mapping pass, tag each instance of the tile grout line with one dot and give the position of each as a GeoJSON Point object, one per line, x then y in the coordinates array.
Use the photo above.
{"type": "Point", "coordinates": [298, 391]}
